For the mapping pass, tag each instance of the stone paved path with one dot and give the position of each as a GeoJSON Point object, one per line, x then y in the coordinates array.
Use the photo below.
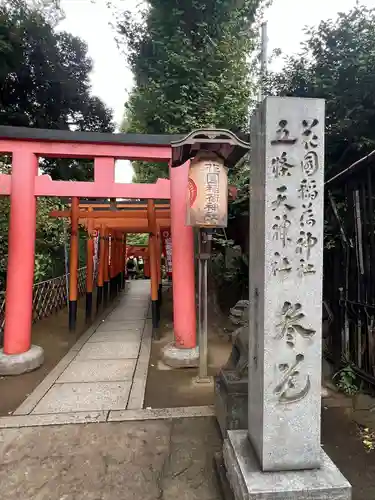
{"type": "Point", "coordinates": [111, 461]}
{"type": "Point", "coordinates": [107, 368]}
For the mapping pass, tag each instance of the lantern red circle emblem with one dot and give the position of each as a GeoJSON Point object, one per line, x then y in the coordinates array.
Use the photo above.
{"type": "Point", "coordinates": [193, 191]}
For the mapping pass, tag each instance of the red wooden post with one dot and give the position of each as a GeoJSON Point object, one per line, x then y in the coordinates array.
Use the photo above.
{"type": "Point", "coordinates": [100, 282]}
{"type": "Point", "coordinates": [73, 265]}
{"type": "Point", "coordinates": [89, 266]}
{"type": "Point", "coordinates": [20, 275]}
{"type": "Point", "coordinates": [123, 261]}
{"type": "Point", "coordinates": [184, 352]}
{"type": "Point", "coordinates": [106, 267]}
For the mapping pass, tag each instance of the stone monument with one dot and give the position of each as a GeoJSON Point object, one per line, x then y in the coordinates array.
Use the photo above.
{"type": "Point", "coordinates": [279, 456]}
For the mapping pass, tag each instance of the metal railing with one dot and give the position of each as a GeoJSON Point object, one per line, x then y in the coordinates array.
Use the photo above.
{"type": "Point", "coordinates": [49, 297]}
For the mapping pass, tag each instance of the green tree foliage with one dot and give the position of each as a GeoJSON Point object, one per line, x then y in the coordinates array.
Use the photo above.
{"type": "Point", "coordinates": [44, 83]}
{"type": "Point", "coordinates": [137, 239]}
{"type": "Point", "coordinates": [337, 63]}
{"type": "Point", "coordinates": [190, 60]}
{"type": "Point", "coordinates": [44, 75]}
{"type": "Point", "coordinates": [44, 79]}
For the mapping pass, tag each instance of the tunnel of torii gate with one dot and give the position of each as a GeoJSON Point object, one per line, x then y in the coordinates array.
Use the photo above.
{"type": "Point", "coordinates": [112, 225]}
{"type": "Point", "coordinates": [24, 185]}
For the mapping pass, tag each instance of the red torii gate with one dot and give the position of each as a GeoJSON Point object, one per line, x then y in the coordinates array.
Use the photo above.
{"type": "Point", "coordinates": [24, 185]}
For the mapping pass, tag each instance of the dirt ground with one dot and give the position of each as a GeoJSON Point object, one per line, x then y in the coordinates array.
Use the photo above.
{"type": "Point", "coordinates": [170, 388]}
{"type": "Point", "coordinates": [53, 335]}
{"type": "Point", "coordinates": [340, 438]}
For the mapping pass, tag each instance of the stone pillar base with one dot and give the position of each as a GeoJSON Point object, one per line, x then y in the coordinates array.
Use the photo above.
{"type": "Point", "coordinates": [231, 401]}
{"type": "Point", "coordinates": [248, 482]}
{"type": "Point", "coordinates": [16, 364]}
{"type": "Point", "coordinates": [178, 357]}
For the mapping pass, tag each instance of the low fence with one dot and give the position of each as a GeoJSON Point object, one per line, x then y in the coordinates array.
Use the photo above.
{"type": "Point", "coordinates": [349, 270]}
{"type": "Point", "coordinates": [49, 297]}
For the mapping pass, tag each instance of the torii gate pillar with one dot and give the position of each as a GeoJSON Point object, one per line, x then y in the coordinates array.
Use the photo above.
{"type": "Point", "coordinates": [18, 355]}
{"type": "Point", "coordinates": [184, 351]}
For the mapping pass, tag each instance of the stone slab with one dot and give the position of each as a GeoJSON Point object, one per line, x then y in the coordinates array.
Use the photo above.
{"type": "Point", "coordinates": [88, 333]}
{"type": "Point", "coordinates": [113, 326]}
{"type": "Point", "coordinates": [126, 319]}
{"type": "Point", "coordinates": [140, 304]}
{"type": "Point", "coordinates": [64, 398]}
{"type": "Point", "coordinates": [27, 406]}
{"type": "Point", "coordinates": [33, 399]}
{"type": "Point", "coordinates": [133, 316]}
{"type": "Point", "coordinates": [137, 298]}
{"type": "Point", "coordinates": [139, 301]}
{"type": "Point", "coordinates": [109, 350]}
{"type": "Point", "coordinates": [86, 462]}
{"type": "Point", "coordinates": [248, 482]}
{"type": "Point", "coordinates": [96, 370]}
{"type": "Point", "coordinates": [116, 336]}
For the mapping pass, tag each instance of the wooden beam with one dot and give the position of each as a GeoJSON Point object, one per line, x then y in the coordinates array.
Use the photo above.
{"type": "Point", "coordinates": [113, 214]}
{"type": "Point", "coordinates": [127, 225]}
{"type": "Point", "coordinates": [126, 205]}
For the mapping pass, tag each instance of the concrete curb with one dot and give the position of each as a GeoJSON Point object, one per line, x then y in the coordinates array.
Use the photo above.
{"type": "Point", "coordinates": [161, 413]}
{"type": "Point", "coordinates": [138, 389]}
{"type": "Point", "coordinates": [14, 422]}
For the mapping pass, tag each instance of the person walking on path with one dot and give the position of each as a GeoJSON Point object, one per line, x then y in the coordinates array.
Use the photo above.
{"type": "Point", "coordinates": [130, 266]}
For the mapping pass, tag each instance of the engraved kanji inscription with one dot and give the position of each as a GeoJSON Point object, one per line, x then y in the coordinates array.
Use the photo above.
{"type": "Point", "coordinates": [305, 243]}
{"type": "Point", "coordinates": [281, 199]}
{"type": "Point", "coordinates": [280, 265]}
{"type": "Point", "coordinates": [281, 229]}
{"type": "Point", "coordinates": [305, 268]}
{"type": "Point", "coordinates": [281, 166]}
{"type": "Point", "coordinates": [211, 205]}
{"type": "Point", "coordinates": [292, 387]}
{"type": "Point", "coordinates": [283, 135]}
{"type": "Point", "coordinates": [310, 163]}
{"type": "Point", "coordinates": [307, 190]}
{"type": "Point", "coordinates": [290, 324]}
{"type": "Point", "coordinates": [307, 217]}
{"type": "Point", "coordinates": [309, 137]}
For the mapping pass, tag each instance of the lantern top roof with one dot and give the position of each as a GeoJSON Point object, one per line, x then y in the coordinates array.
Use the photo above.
{"type": "Point", "coordinates": [224, 143]}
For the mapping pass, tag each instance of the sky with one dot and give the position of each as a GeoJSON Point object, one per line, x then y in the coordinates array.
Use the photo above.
{"type": "Point", "coordinates": [111, 78]}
